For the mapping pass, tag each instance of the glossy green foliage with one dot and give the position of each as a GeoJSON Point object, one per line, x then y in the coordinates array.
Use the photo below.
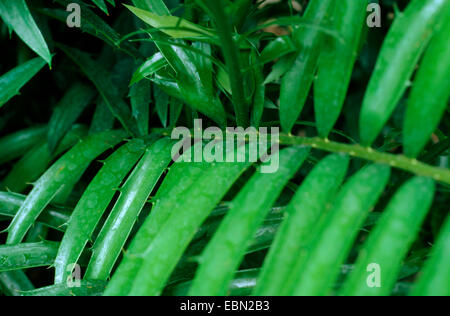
{"type": "Point", "coordinates": [336, 61]}
{"type": "Point", "coordinates": [135, 215]}
{"type": "Point", "coordinates": [18, 18]}
{"type": "Point", "coordinates": [37, 160]}
{"type": "Point", "coordinates": [16, 257]}
{"type": "Point", "coordinates": [435, 279]}
{"type": "Point", "coordinates": [298, 79]}
{"type": "Point", "coordinates": [225, 251]}
{"type": "Point", "coordinates": [402, 48]}
{"type": "Point", "coordinates": [12, 81]}
{"type": "Point", "coordinates": [302, 215]}
{"type": "Point", "coordinates": [429, 94]}
{"type": "Point", "coordinates": [335, 236]}
{"type": "Point", "coordinates": [134, 195]}
{"type": "Point", "coordinates": [65, 171]}
{"type": "Point", "coordinates": [391, 239]}
{"type": "Point", "coordinates": [91, 206]}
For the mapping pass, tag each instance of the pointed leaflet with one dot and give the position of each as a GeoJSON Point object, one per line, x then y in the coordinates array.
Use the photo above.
{"type": "Point", "coordinates": [223, 254]}
{"type": "Point", "coordinates": [391, 239]}
{"type": "Point", "coordinates": [335, 236]}
{"type": "Point", "coordinates": [15, 79]}
{"type": "Point", "coordinates": [27, 255]}
{"type": "Point", "coordinates": [93, 204]}
{"type": "Point", "coordinates": [62, 173]}
{"type": "Point", "coordinates": [133, 196]}
{"type": "Point", "coordinates": [297, 81]}
{"type": "Point", "coordinates": [140, 97]}
{"type": "Point", "coordinates": [102, 5]}
{"type": "Point", "coordinates": [52, 216]}
{"type": "Point", "coordinates": [430, 93]}
{"type": "Point", "coordinates": [18, 17]}
{"type": "Point", "coordinates": [402, 48]}
{"type": "Point", "coordinates": [336, 64]}
{"type": "Point", "coordinates": [302, 215]}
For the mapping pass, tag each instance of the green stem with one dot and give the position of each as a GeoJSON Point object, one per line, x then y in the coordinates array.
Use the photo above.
{"type": "Point", "coordinates": [367, 153]}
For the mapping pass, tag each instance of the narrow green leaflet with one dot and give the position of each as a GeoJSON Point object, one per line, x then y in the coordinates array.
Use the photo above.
{"type": "Point", "coordinates": [173, 222]}
{"type": "Point", "coordinates": [180, 177]}
{"type": "Point", "coordinates": [64, 172]}
{"type": "Point", "coordinates": [15, 79]}
{"type": "Point", "coordinates": [52, 216]}
{"type": "Point", "coordinates": [435, 276]}
{"type": "Point", "coordinates": [302, 215]}
{"type": "Point", "coordinates": [134, 194]}
{"type": "Point", "coordinates": [297, 81]}
{"type": "Point", "coordinates": [27, 255]}
{"type": "Point", "coordinates": [100, 78]}
{"type": "Point", "coordinates": [335, 237]}
{"type": "Point", "coordinates": [336, 64]}
{"type": "Point", "coordinates": [18, 17]}
{"type": "Point", "coordinates": [407, 38]}
{"type": "Point", "coordinates": [430, 93]}
{"type": "Point", "coordinates": [92, 205]}
{"type": "Point", "coordinates": [391, 239]}
{"type": "Point", "coordinates": [225, 251]}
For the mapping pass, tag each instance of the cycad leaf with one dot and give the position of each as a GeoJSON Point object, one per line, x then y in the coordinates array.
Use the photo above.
{"type": "Point", "coordinates": [188, 196]}
{"type": "Point", "coordinates": [62, 173]}
{"type": "Point", "coordinates": [134, 194]}
{"type": "Point", "coordinates": [15, 79]}
{"type": "Point", "coordinates": [52, 216]}
{"type": "Point", "coordinates": [225, 251]}
{"type": "Point", "coordinates": [27, 255]}
{"type": "Point", "coordinates": [302, 216]}
{"type": "Point", "coordinates": [335, 237]}
{"type": "Point", "coordinates": [18, 17]}
{"type": "Point", "coordinates": [430, 93]}
{"type": "Point", "coordinates": [91, 206]}
{"type": "Point", "coordinates": [402, 48]}
{"type": "Point", "coordinates": [390, 241]}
